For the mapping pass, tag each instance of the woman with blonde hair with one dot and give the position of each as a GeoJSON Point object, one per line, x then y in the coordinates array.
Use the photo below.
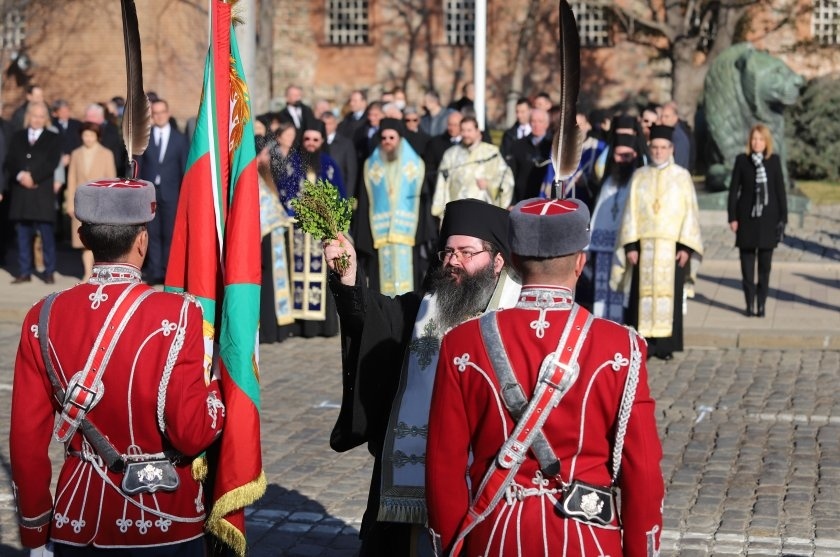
{"type": "Point", "coordinates": [91, 161]}
{"type": "Point", "coordinates": [757, 214]}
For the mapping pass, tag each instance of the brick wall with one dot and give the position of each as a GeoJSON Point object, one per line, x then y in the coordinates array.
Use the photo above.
{"type": "Point", "coordinates": [77, 50]}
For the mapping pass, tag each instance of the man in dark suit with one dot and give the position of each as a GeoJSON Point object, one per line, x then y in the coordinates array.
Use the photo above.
{"type": "Point", "coordinates": [356, 117]}
{"type": "Point", "coordinates": [366, 139]}
{"type": "Point", "coordinates": [519, 129]}
{"type": "Point", "coordinates": [295, 111]}
{"type": "Point", "coordinates": [163, 164]}
{"type": "Point", "coordinates": [438, 145]}
{"type": "Point", "coordinates": [341, 149]}
{"type": "Point", "coordinates": [5, 228]}
{"type": "Point", "coordinates": [530, 157]}
{"type": "Point", "coordinates": [69, 129]}
{"type": "Point", "coordinates": [34, 94]}
{"type": "Point", "coordinates": [109, 136]}
{"type": "Point", "coordinates": [34, 153]}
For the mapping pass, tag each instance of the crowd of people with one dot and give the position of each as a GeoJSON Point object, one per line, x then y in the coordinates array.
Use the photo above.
{"type": "Point", "coordinates": [446, 228]}
{"type": "Point", "coordinates": [46, 154]}
{"type": "Point", "coordinates": [403, 165]}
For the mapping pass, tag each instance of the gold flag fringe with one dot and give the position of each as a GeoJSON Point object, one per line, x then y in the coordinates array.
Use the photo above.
{"type": "Point", "coordinates": [199, 469]}
{"type": "Point", "coordinates": [231, 501]}
{"type": "Point", "coordinates": [230, 536]}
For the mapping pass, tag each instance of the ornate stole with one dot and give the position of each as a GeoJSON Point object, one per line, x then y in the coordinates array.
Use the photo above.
{"type": "Point", "coordinates": [402, 498]}
{"type": "Point", "coordinates": [656, 287]}
{"type": "Point", "coordinates": [394, 191]}
{"type": "Point", "coordinates": [309, 278]}
{"type": "Point", "coordinates": [275, 221]}
{"type": "Point", "coordinates": [606, 220]}
{"type": "Point", "coordinates": [280, 277]}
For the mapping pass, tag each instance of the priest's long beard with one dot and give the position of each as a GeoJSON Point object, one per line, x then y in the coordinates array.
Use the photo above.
{"type": "Point", "coordinates": [623, 172]}
{"type": "Point", "coordinates": [457, 302]}
{"type": "Point", "coordinates": [310, 162]}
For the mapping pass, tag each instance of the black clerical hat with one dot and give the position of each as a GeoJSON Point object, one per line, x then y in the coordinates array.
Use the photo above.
{"type": "Point", "coordinates": [661, 132]}
{"type": "Point", "coordinates": [479, 219]}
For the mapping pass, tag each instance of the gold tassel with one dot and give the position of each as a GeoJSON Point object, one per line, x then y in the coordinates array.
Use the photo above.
{"type": "Point", "coordinates": [199, 468]}
{"type": "Point", "coordinates": [231, 501]}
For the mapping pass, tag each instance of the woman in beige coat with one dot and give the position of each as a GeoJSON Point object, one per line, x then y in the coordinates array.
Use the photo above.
{"type": "Point", "coordinates": [89, 162]}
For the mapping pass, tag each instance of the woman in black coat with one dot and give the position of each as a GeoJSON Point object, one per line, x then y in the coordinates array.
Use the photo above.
{"type": "Point", "coordinates": [757, 213]}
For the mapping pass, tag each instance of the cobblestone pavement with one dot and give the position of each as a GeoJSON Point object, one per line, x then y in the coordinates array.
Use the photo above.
{"type": "Point", "coordinates": [751, 441]}
{"type": "Point", "coordinates": [751, 438]}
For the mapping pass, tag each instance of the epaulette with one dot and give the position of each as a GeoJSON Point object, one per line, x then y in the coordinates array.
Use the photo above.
{"type": "Point", "coordinates": [635, 332]}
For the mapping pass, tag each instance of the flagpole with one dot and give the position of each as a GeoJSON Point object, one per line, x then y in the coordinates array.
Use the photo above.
{"type": "Point", "coordinates": [480, 61]}
{"type": "Point", "coordinates": [247, 35]}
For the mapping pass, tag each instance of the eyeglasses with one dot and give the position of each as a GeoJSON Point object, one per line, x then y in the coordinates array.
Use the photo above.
{"type": "Point", "coordinates": [411, 119]}
{"type": "Point", "coordinates": [462, 255]}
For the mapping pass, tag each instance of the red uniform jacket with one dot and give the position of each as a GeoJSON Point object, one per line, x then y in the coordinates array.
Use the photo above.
{"type": "Point", "coordinates": [139, 397]}
{"type": "Point", "coordinates": [467, 414]}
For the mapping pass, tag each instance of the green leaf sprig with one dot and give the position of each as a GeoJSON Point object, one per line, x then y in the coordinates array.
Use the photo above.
{"type": "Point", "coordinates": [321, 212]}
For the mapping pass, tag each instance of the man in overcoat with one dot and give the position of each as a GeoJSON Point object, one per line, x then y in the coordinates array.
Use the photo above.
{"type": "Point", "coordinates": [34, 154]}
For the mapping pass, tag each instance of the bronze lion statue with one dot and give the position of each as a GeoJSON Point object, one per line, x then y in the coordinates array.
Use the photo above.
{"type": "Point", "coordinates": [744, 87]}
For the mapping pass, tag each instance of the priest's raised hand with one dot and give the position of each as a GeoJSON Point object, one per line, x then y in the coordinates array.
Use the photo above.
{"type": "Point", "coordinates": [339, 253]}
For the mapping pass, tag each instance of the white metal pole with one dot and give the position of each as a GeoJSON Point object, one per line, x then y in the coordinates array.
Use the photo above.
{"type": "Point", "coordinates": [480, 60]}
{"type": "Point", "coordinates": [246, 35]}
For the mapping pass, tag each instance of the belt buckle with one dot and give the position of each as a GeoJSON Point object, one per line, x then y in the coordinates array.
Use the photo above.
{"type": "Point", "coordinates": [512, 453]}
{"type": "Point", "coordinates": [93, 396]}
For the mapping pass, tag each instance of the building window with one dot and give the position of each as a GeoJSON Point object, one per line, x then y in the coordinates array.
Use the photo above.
{"type": "Point", "coordinates": [825, 22]}
{"type": "Point", "coordinates": [459, 21]}
{"type": "Point", "coordinates": [14, 29]}
{"type": "Point", "coordinates": [592, 24]}
{"type": "Point", "coordinates": [347, 22]}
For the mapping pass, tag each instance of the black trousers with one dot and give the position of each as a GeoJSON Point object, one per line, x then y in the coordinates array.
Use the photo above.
{"type": "Point", "coordinates": [193, 548]}
{"type": "Point", "coordinates": [752, 291]}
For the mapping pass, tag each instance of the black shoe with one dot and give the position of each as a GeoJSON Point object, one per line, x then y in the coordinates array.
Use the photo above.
{"type": "Point", "coordinates": [748, 312]}
{"type": "Point", "coordinates": [21, 279]}
{"type": "Point", "coordinates": [49, 278]}
{"type": "Point", "coordinates": [760, 312]}
{"type": "Point", "coordinates": [665, 357]}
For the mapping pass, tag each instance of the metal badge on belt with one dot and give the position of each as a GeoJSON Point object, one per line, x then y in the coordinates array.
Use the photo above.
{"type": "Point", "coordinates": [148, 476]}
{"type": "Point", "coordinates": [588, 503]}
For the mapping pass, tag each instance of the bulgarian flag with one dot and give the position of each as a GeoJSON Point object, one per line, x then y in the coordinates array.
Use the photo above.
{"type": "Point", "coordinates": [215, 256]}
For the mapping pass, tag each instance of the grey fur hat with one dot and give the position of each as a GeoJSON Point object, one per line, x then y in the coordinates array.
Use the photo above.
{"type": "Point", "coordinates": [115, 201]}
{"type": "Point", "coordinates": [549, 227]}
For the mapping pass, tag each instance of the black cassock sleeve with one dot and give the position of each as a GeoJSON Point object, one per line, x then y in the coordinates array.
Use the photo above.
{"type": "Point", "coordinates": [375, 330]}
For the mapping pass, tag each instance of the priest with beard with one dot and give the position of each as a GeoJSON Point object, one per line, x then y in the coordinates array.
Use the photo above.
{"type": "Point", "coordinates": [389, 225]}
{"type": "Point", "coordinates": [312, 308]}
{"type": "Point", "coordinates": [389, 356]}
{"type": "Point", "coordinates": [606, 219]}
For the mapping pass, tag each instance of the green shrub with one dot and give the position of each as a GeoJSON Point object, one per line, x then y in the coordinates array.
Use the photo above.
{"type": "Point", "coordinates": [812, 131]}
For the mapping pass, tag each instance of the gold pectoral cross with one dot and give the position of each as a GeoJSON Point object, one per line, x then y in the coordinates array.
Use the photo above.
{"type": "Point", "coordinates": [656, 207]}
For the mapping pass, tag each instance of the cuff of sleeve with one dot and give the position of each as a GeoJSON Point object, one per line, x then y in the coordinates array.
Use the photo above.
{"type": "Point", "coordinates": [35, 531]}
{"type": "Point", "coordinates": [349, 300]}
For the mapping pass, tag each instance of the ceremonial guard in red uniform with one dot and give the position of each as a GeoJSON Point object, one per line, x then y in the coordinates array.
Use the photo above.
{"type": "Point", "coordinates": [125, 368]}
{"type": "Point", "coordinates": [389, 357]}
{"type": "Point", "coordinates": [548, 411]}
